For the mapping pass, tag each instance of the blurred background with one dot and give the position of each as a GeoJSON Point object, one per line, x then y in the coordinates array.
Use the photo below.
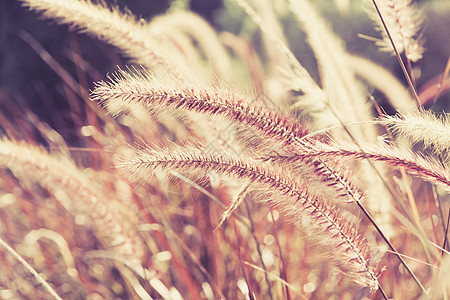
{"type": "Point", "coordinates": [28, 80]}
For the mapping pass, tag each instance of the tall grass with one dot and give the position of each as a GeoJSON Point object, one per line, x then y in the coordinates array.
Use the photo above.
{"type": "Point", "coordinates": [215, 171]}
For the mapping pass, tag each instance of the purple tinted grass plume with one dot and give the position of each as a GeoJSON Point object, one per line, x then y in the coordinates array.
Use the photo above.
{"type": "Point", "coordinates": [282, 191]}
{"type": "Point", "coordinates": [412, 163]}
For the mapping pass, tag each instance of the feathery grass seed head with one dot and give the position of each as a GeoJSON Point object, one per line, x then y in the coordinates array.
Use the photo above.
{"type": "Point", "coordinates": [350, 251]}
{"type": "Point", "coordinates": [433, 131]}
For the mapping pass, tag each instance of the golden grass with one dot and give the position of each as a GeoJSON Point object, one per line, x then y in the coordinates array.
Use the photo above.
{"type": "Point", "coordinates": [197, 190]}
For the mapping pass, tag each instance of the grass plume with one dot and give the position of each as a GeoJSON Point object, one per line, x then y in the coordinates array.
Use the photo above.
{"type": "Point", "coordinates": [74, 189]}
{"type": "Point", "coordinates": [283, 192]}
{"type": "Point", "coordinates": [423, 127]}
{"type": "Point", "coordinates": [413, 164]}
{"type": "Point", "coordinates": [404, 21]}
{"type": "Point", "coordinates": [122, 30]}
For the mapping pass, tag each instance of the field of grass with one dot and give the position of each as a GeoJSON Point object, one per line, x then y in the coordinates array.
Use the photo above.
{"type": "Point", "coordinates": [291, 149]}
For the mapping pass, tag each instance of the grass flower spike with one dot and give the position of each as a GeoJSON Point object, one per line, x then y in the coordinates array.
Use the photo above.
{"type": "Point", "coordinates": [75, 191]}
{"type": "Point", "coordinates": [350, 250]}
{"type": "Point", "coordinates": [122, 30]}
{"type": "Point", "coordinates": [433, 131]}
{"type": "Point", "coordinates": [403, 20]}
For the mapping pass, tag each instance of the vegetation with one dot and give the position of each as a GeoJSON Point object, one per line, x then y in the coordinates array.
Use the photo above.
{"type": "Point", "coordinates": [207, 169]}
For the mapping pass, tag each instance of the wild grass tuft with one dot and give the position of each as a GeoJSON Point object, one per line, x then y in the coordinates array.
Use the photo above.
{"type": "Point", "coordinates": [228, 166]}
